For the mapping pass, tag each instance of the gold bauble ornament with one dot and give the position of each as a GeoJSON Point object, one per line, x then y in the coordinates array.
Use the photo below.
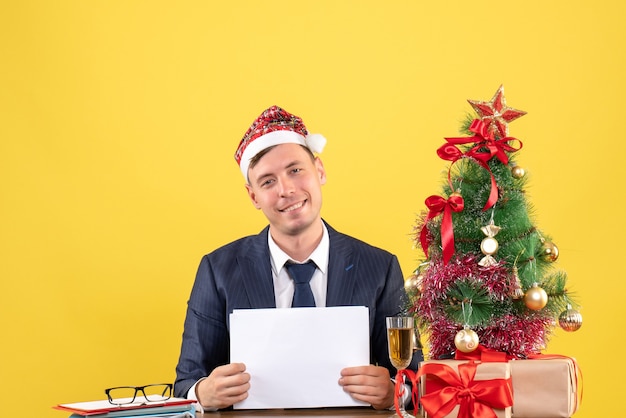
{"type": "Point", "coordinates": [466, 340]}
{"type": "Point", "coordinates": [570, 320]}
{"type": "Point", "coordinates": [416, 280]}
{"type": "Point", "coordinates": [518, 172]}
{"type": "Point", "coordinates": [535, 298]}
{"type": "Point", "coordinates": [549, 251]}
{"type": "Point", "coordinates": [411, 282]}
{"type": "Point", "coordinates": [412, 286]}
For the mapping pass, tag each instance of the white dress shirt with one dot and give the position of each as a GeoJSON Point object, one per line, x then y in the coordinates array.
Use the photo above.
{"type": "Point", "coordinates": [284, 285]}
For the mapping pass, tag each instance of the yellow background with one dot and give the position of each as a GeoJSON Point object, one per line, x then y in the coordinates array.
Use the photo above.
{"type": "Point", "coordinates": [119, 120]}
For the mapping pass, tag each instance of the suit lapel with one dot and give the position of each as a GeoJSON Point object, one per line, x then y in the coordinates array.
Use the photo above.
{"type": "Point", "coordinates": [342, 264]}
{"type": "Point", "coordinates": [256, 271]}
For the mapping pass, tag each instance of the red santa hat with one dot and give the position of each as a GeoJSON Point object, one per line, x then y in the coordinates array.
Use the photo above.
{"type": "Point", "coordinates": [275, 126]}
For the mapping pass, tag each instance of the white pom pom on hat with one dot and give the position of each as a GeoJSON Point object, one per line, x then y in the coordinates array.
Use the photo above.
{"type": "Point", "coordinates": [275, 126]}
{"type": "Point", "coordinates": [315, 142]}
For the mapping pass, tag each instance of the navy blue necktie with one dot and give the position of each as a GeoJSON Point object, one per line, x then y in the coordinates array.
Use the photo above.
{"type": "Point", "coordinates": [301, 275]}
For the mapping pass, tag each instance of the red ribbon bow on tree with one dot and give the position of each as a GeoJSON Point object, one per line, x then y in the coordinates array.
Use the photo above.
{"type": "Point", "coordinates": [436, 206]}
{"type": "Point", "coordinates": [476, 398]}
{"type": "Point", "coordinates": [485, 148]}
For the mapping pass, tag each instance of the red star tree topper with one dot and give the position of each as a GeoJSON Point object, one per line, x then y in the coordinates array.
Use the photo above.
{"type": "Point", "coordinates": [496, 114]}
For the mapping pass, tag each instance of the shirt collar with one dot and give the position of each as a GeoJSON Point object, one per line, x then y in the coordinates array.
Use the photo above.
{"type": "Point", "coordinates": [319, 254]}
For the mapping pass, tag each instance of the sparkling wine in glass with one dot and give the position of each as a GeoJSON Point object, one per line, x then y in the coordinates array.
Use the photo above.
{"type": "Point", "coordinates": [400, 337]}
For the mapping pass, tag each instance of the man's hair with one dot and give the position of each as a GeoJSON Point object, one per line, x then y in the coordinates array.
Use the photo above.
{"type": "Point", "coordinates": [255, 160]}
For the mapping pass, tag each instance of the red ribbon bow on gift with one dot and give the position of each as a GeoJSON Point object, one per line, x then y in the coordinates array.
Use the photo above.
{"type": "Point", "coordinates": [437, 205]}
{"type": "Point", "coordinates": [485, 148]}
{"type": "Point", "coordinates": [399, 389]}
{"type": "Point", "coordinates": [483, 354]}
{"type": "Point", "coordinates": [476, 398]}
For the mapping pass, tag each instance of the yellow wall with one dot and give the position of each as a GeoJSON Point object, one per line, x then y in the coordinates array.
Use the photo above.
{"type": "Point", "coordinates": [119, 119]}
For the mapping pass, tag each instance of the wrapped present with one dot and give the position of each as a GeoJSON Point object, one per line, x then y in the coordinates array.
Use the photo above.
{"type": "Point", "coordinates": [546, 386]}
{"type": "Point", "coordinates": [465, 389]}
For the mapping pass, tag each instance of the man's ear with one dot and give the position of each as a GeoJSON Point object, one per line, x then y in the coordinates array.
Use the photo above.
{"type": "Point", "coordinates": [319, 166]}
{"type": "Point", "coordinates": [252, 196]}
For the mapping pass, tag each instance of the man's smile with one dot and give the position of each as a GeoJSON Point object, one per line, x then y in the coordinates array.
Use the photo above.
{"type": "Point", "coordinates": [294, 207]}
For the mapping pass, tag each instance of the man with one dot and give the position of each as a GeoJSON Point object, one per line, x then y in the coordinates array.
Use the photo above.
{"type": "Point", "coordinates": [284, 179]}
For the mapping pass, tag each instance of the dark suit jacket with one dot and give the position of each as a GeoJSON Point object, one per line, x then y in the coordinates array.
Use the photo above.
{"type": "Point", "coordinates": [239, 276]}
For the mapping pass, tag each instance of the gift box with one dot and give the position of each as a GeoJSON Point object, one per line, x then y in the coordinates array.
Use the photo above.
{"type": "Point", "coordinates": [452, 388]}
{"type": "Point", "coordinates": [545, 387]}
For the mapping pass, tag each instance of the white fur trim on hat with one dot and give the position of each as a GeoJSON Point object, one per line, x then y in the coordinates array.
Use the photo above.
{"type": "Point", "coordinates": [314, 142]}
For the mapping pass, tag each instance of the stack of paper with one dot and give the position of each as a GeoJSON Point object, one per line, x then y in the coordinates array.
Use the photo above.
{"type": "Point", "coordinates": [173, 407]}
{"type": "Point", "coordinates": [295, 356]}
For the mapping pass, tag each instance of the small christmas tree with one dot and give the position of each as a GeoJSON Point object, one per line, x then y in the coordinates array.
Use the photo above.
{"type": "Point", "coordinates": [489, 276]}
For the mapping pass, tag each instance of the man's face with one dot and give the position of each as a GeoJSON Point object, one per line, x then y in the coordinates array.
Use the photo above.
{"type": "Point", "coordinates": [286, 185]}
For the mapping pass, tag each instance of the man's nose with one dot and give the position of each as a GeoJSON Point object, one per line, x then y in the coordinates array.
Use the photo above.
{"type": "Point", "coordinates": [286, 186]}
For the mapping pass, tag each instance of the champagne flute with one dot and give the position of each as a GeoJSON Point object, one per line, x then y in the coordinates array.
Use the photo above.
{"type": "Point", "coordinates": [400, 339]}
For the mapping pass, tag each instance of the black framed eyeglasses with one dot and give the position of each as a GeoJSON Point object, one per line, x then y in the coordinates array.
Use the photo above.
{"type": "Point", "coordinates": [124, 395]}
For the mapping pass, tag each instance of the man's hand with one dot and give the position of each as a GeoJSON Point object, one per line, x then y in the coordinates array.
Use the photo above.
{"type": "Point", "coordinates": [225, 386]}
{"type": "Point", "coordinates": [370, 384]}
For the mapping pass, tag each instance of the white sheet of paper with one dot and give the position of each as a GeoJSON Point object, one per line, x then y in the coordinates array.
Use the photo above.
{"type": "Point", "coordinates": [295, 356]}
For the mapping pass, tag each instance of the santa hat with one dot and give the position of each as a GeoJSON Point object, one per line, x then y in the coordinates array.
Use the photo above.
{"type": "Point", "coordinates": [275, 126]}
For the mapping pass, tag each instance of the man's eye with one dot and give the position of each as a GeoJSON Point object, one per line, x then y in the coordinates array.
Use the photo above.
{"type": "Point", "coordinates": [267, 183]}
